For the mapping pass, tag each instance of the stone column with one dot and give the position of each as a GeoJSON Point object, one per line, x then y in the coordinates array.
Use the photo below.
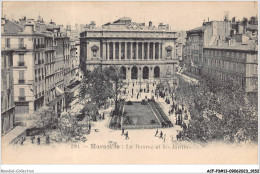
{"type": "Point", "coordinates": [88, 52]}
{"type": "Point", "coordinates": [159, 50]}
{"type": "Point", "coordinates": [142, 50]}
{"type": "Point", "coordinates": [150, 72]}
{"type": "Point", "coordinates": [148, 50]}
{"type": "Point", "coordinates": [125, 50]}
{"type": "Point", "coordinates": [114, 50]}
{"type": "Point", "coordinates": [137, 56]}
{"type": "Point", "coordinates": [104, 51]}
{"type": "Point", "coordinates": [153, 50]}
{"type": "Point", "coordinates": [108, 50]}
{"type": "Point", "coordinates": [119, 52]}
{"type": "Point", "coordinates": [174, 54]}
{"type": "Point", "coordinates": [131, 50]}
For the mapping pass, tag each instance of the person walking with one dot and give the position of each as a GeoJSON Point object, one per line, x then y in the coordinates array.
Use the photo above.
{"type": "Point", "coordinates": [126, 135]}
{"type": "Point", "coordinates": [22, 140]}
{"type": "Point", "coordinates": [32, 139]}
{"type": "Point", "coordinates": [47, 139]}
{"type": "Point", "coordinates": [123, 131]}
{"type": "Point", "coordinates": [39, 140]}
{"type": "Point", "coordinates": [161, 135]}
{"type": "Point", "coordinates": [164, 138]}
{"type": "Point", "coordinates": [156, 132]}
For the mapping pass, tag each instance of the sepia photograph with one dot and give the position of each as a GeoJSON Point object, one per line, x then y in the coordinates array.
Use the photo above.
{"type": "Point", "coordinates": [129, 82]}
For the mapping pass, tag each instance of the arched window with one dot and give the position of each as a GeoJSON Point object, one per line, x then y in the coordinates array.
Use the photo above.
{"type": "Point", "coordinates": [123, 72]}
{"type": "Point", "coordinates": [134, 72]}
{"type": "Point", "coordinates": [156, 72]}
{"type": "Point", "coordinates": [145, 72]}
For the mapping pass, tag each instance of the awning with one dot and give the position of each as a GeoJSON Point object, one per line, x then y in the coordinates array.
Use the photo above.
{"type": "Point", "coordinates": [59, 91]}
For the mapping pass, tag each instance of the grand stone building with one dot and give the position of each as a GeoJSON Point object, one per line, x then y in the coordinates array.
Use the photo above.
{"type": "Point", "coordinates": [144, 54]}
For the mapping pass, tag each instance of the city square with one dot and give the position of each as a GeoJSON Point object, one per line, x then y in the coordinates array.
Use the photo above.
{"type": "Point", "coordinates": [129, 90]}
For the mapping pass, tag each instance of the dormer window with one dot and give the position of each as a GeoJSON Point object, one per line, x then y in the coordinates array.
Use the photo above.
{"type": "Point", "coordinates": [94, 50]}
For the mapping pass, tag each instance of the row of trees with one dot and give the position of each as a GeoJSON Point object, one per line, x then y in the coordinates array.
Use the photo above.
{"type": "Point", "coordinates": [220, 110]}
{"type": "Point", "coordinates": [97, 87]}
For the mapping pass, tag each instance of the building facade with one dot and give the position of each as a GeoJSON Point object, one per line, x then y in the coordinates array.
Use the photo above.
{"type": "Point", "coordinates": [210, 33]}
{"type": "Point", "coordinates": [233, 61]}
{"type": "Point", "coordinates": [28, 64]}
{"type": "Point", "coordinates": [7, 92]}
{"type": "Point", "coordinates": [41, 63]}
{"type": "Point", "coordinates": [143, 53]}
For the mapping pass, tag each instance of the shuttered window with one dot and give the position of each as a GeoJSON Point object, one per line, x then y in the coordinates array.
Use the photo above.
{"type": "Point", "coordinates": [21, 75]}
{"type": "Point", "coordinates": [21, 92]}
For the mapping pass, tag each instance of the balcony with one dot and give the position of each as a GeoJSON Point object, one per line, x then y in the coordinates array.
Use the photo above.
{"type": "Point", "coordinates": [39, 46]}
{"type": "Point", "coordinates": [21, 63]}
{"type": "Point", "coordinates": [21, 98]}
{"type": "Point", "coordinates": [15, 47]}
{"type": "Point", "coordinates": [21, 81]}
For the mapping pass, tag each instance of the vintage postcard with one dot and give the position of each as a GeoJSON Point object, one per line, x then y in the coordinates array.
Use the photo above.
{"type": "Point", "coordinates": [151, 82]}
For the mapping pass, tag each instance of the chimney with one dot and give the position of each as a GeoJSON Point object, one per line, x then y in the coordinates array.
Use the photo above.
{"type": "Point", "coordinates": [150, 24]}
{"type": "Point", "coordinates": [29, 28]}
{"type": "Point", "coordinates": [167, 27]}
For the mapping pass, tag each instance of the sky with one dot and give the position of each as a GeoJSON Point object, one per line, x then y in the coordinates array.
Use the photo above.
{"type": "Point", "coordinates": [179, 15]}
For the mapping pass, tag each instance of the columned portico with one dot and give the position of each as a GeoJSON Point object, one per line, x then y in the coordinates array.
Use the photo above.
{"type": "Point", "coordinates": [140, 53]}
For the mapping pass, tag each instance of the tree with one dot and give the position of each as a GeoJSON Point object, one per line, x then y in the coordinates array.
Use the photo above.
{"type": "Point", "coordinates": [70, 128]}
{"type": "Point", "coordinates": [227, 98]}
{"type": "Point", "coordinates": [95, 87]}
{"type": "Point", "coordinates": [116, 77]}
{"type": "Point", "coordinates": [68, 100]}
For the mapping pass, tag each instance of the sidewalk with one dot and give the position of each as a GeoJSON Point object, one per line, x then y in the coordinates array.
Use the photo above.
{"type": "Point", "coordinates": [16, 134]}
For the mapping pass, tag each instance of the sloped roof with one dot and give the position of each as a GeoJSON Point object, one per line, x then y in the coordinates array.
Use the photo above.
{"type": "Point", "coordinates": [12, 27]}
{"type": "Point", "coordinates": [198, 29]}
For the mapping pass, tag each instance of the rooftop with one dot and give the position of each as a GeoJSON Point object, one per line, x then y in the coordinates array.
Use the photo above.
{"type": "Point", "coordinates": [198, 29]}
{"type": "Point", "coordinates": [126, 24]}
{"type": "Point", "coordinates": [250, 46]}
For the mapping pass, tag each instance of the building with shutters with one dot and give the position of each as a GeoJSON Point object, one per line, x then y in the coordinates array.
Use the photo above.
{"type": "Point", "coordinates": [28, 63]}
{"type": "Point", "coordinates": [144, 54]}
{"type": "Point", "coordinates": [210, 33]}
{"type": "Point", "coordinates": [236, 59]}
{"type": "Point", "coordinates": [41, 56]}
{"type": "Point", "coordinates": [7, 91]}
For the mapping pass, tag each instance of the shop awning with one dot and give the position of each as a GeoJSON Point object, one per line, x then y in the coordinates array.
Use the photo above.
{"type": "Point", "coordinates": [59, 91]}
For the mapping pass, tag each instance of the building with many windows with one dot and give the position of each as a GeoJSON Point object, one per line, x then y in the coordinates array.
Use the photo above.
{"type": "Point", "coordinates": [41, 63]}
{"type": "Point", "coordinates": [237, 59]}
{"type": "Point", "coordinates": [7, 91]}
{"type": "Point", "coordinates": [210, 33]}
{"type": "Point", "coordinates": [143, 53]}
{"type": "Point", "coordinates": [28, 64]}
